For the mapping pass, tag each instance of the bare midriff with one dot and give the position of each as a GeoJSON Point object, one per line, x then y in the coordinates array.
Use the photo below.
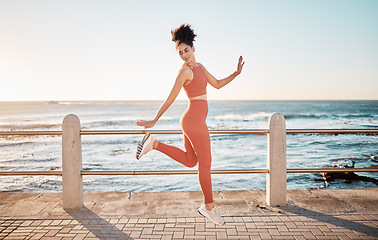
{"type": "Point", "coordinates": [201, 97]}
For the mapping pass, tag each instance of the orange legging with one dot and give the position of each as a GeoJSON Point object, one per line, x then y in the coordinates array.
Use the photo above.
{"type": "Point", "coordinates": [197, 145]}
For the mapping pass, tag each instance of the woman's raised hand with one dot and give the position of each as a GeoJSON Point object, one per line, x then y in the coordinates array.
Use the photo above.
{"type": "Point", "coordinates": [240, 65]}
{"type": "Point", "coordinates": [145, 124]}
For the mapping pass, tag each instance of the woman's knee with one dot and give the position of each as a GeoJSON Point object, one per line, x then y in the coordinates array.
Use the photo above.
{"type": "Point", "coordinates": [191, 163]}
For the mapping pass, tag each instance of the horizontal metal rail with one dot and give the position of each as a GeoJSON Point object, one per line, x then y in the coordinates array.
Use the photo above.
{"type": "Point", "coordinates": [18, 173]}
{"type": "Point", "coordinates": [175, 172]}
{"type": "Point", "coordinates": [235, 171]}
{"type": "Point", "coordinates": [331, 131]}
{"type": "Point", "coordinates": [36, 133]}
{"type": "Point", "coordinates": [186, 172]}
{"type": "Point", "coordinates": [226, 131]}
{"type": "Point", "coordinates": [132, 132]}
{"type": "Point", "coordinates": [332, 170]}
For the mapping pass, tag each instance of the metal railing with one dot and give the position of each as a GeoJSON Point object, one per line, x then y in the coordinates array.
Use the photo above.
{"type": "Point", "coordinates": [187, 172]}
{"type": "Point", "coordinates": [276, 154]}
{"type": "Point", "coordinates": [174, 172]}
{"type": "Point", "coordinates": [228, 131]}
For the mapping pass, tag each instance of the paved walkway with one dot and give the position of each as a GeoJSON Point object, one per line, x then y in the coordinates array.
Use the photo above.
{"type": "Point", "coordinates": [309, 214]}
{"type": "Point", "coordinates": [349, 226]}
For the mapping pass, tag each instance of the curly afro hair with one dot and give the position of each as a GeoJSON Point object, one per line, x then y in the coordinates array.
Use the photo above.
{"type": "Point", "coordinates": [183, 34]}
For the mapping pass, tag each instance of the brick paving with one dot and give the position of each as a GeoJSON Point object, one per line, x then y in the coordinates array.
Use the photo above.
{"type": "Point", "coordinates": [273, 226]}
{"type": "Point", "coordinates": [308, 214]}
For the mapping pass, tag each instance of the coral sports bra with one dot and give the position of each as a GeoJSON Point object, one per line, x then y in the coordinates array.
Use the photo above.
{"type": "Point", "coordinates": [197, 86]}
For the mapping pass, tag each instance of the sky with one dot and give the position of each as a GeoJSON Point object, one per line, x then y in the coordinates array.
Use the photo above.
{"type": "Point", "coordinates": [122, 50]}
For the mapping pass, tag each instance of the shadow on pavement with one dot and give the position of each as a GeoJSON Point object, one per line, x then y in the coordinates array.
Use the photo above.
{"type": "Point", "coordinates": [98, 226]}
{"type": "Point", "coordinates": [344, 223]}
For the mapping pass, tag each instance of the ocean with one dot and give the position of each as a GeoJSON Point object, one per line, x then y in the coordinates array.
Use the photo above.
{"type": "Point", "coordinates": [231, 151]}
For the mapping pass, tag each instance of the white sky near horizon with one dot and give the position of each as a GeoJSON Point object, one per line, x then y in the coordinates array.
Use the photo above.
{"type": "Point", "coordinates": [122, 50]}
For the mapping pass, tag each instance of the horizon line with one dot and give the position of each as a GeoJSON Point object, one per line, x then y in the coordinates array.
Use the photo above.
{"type": "Point", "coordinates": [154, 100]}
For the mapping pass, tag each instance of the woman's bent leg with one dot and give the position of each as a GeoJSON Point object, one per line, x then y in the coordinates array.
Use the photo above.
{"type": "Point", "coordinates": [188, 158]}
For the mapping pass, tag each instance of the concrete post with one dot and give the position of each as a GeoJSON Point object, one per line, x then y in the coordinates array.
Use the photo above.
{"type": "Point", "coordinates": [276, 162]}
{"type": "Point", "coordinates": [71, 163]}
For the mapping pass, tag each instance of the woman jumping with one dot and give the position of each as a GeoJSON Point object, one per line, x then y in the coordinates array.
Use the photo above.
{"type": "Point", "coordinates": [193, 77]}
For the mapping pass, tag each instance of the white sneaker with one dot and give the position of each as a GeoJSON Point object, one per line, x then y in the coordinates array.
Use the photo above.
{"type": "Point", "coordinates": [211, 215]}
{"type": "Point", "coordinates": [145, 145]}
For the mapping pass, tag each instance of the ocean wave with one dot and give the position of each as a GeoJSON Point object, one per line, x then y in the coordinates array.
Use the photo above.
{"type": "Point", "coordinates": [344, 161]}
{"type": "Point", "coordinates": [360, 123]}
{"type": "Point", "coordinates": [67, 102]}
{"type": "Point", "coordinates": [106, 123]}
{"type": "Point", "coordinates": [265, 116]}
{"type": "Point", "coordinates": [356, 115]}
{"type": "Point", "coordinates": [13, 127]}
{"type": "Point", "coordinates": [118, 152]}
{"type": "Point", "coordinates": [13, 144]}
{"type": "Point", "coordinates": [117, 122]}
{"type": "Point", "coordinates": [126, 119]}
{"type": "Point", "coordinates": [28, 159]}
{"type": "Point", "coordinates": [239, 117]}
{"type": "Point", "coordinates": [316, 143]}
{"type": "Point", "coordinates": [369, 126]}
{"type": "Point", "coordinates": [301, 116]}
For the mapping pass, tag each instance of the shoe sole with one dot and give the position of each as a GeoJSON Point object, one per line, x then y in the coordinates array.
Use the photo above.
{"type": "Point", "coordinates": [140, 146]}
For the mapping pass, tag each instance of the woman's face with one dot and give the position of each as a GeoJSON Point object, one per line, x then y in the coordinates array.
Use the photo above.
{"type": "Point", "coordinates": [186, 53]}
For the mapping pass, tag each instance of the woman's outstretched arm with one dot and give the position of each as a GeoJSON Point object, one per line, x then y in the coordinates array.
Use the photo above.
{"type": "Point", "coordinates": [223, 82]}
{"type": "Point", "coordinates": [182, 77]}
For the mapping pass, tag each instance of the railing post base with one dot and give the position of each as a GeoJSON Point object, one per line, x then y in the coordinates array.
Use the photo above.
{"type": "Point", "coordinates": [72, 179]}
{"type": "Point", "coordinates": [276, 161]}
